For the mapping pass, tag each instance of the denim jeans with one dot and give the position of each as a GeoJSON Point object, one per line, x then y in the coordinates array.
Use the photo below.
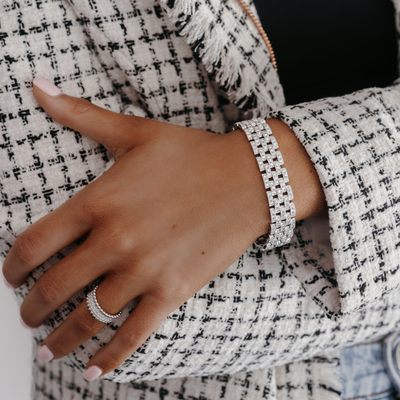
{"type": "Point", "coordinates": [371, 371]}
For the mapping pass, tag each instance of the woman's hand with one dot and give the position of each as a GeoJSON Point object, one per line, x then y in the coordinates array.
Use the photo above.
{"type": "Point", "coordinates": [178, 207]}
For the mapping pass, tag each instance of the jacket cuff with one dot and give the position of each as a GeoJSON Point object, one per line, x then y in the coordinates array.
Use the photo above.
{"type": "Point", "coordinates": [354, 144]}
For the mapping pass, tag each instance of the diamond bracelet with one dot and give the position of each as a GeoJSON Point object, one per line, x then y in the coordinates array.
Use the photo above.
{"type": "Point", "coordinates": [280, 195]}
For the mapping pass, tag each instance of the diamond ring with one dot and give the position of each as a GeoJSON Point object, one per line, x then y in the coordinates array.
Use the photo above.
{"type": "Point", "coordinates": [97, 312]}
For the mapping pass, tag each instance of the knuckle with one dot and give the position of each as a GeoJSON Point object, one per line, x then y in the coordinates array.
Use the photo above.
{"type": "Point", "coordinates": [129, 340]}
{"type": "Point", "coordinates": [157, 258]}
{"type": "Point", "coordinates": [97, 207]}
{"type": "Point", "coordinates": [118, 240]}
{"type": "Point", "coordinates": [167, 297]}
{"type": "Point", "coordinates": [150, 265]}
{"type": "Point", "coordinates": [123, 243]}
{"type": "Point", "coordinates": [48, 290]}
{"type": "Point", "coordinates": [81, 106]}
{"type": "Point", "coordinates": [183, 291]}
{"type": "Point", "coordinates": [85, 325]}
{"type": "Point", "coordinates": [160, 294]}
{"type": "Point", "coordinates": [110, 361]}
{"type": "Point", "coordinates": [147, 263]}
{"type": "Point", "coordinates": [26, 247]}
{"type": "Point", "coordinates": [120, 244]}
{"type": "Point", "coordinates": [28, 316]}
{"type": "Point", "coordinates": [90, 209]}
{"type": "Point", "coordinates": [170, 289]}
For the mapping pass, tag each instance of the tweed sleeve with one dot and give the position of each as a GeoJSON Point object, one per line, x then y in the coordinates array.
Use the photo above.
{"type": "Point", "coordinates": [354, 144]}
{"type": "Point", "coordinates": [127, 58]}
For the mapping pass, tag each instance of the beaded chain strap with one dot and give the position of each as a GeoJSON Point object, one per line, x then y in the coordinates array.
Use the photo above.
{"type": "Point", "coordinates": [280, 195]}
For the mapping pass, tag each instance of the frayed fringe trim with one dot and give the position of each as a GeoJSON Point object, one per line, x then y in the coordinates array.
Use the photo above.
{"type": "Point", "coordinates": [211, 48]}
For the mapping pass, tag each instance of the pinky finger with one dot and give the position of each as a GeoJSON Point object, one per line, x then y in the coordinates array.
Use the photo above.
{"type": "Point", "coordinates": [143, 321]}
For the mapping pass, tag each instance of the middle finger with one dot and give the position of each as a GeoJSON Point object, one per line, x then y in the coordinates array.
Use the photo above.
{"type": "Point", "coordinates": [80, 326]}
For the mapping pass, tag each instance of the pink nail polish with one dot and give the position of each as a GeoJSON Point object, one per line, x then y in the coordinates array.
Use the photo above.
{"type": "Point", "coordinates": [45, 354]}
{"type": "Point", "coordinates": [24, 324]}
{"type": "Point", "coordinates": [46, 87]}
{"type": "Point", "coordinates": [8, 284]}
{"type": "Point", "coordinates": [92, 373]}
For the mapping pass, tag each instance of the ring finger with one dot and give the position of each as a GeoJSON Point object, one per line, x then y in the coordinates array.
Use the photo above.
{"type": "Point", "coordinates": [80, 326]}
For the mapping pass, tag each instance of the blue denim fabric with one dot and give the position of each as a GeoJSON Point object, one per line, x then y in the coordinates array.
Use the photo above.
{"type": "Point", "coordinates": [369, 371]}
{"type": "Point", "coordinates": [390, 346]}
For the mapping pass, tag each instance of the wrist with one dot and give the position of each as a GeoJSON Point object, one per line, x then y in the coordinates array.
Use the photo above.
{"type": "Point", "coordinates": [289, 179]}
{"type": "Point", "coordinates": [309, 197]}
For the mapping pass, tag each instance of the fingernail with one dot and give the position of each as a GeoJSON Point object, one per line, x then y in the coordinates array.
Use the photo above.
{"type": "Point", "coordinates": [47, 87]}
{"type": "Point", "coordinates": [92, 373]}
{"type": "Point", "coordinates": [45, 354]}
{"type": "Point", "coordinates": [24, 324]}
{"type": "Point", "coordinates": [8, 284]}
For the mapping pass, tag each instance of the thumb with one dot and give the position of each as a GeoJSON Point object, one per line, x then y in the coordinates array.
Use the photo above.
{"type": "Point", "coordinates": [118, 133]}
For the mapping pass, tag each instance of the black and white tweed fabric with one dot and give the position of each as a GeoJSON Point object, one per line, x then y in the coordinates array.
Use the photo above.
{"type": "Point", "coordinates": [203, 64]}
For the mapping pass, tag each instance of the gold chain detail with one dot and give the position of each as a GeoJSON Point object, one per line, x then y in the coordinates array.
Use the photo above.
{"type": "Point", "coordinates": [261, 30]}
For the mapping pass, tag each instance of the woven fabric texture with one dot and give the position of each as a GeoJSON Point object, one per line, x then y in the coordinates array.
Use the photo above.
{"type": "Point", "coordinates": [203, 64]}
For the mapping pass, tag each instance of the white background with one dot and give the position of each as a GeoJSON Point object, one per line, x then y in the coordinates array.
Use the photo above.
{"type": "Point", "coordinates": [15, 350]}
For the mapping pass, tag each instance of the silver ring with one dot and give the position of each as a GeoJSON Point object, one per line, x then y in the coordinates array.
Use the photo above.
{"type": "Point", "coordinates": [97, 312]}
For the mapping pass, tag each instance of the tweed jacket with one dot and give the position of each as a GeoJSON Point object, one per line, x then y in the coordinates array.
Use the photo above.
{"type": "Point", "coordinates": [269, 327]}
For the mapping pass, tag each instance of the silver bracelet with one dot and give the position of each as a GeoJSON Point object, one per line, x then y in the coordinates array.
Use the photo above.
{"type": "Point", "coordinates": [280, 195]}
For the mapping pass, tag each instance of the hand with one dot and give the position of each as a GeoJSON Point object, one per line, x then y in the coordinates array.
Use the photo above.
{"type": "Point", "coordinates": [178, 207]}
